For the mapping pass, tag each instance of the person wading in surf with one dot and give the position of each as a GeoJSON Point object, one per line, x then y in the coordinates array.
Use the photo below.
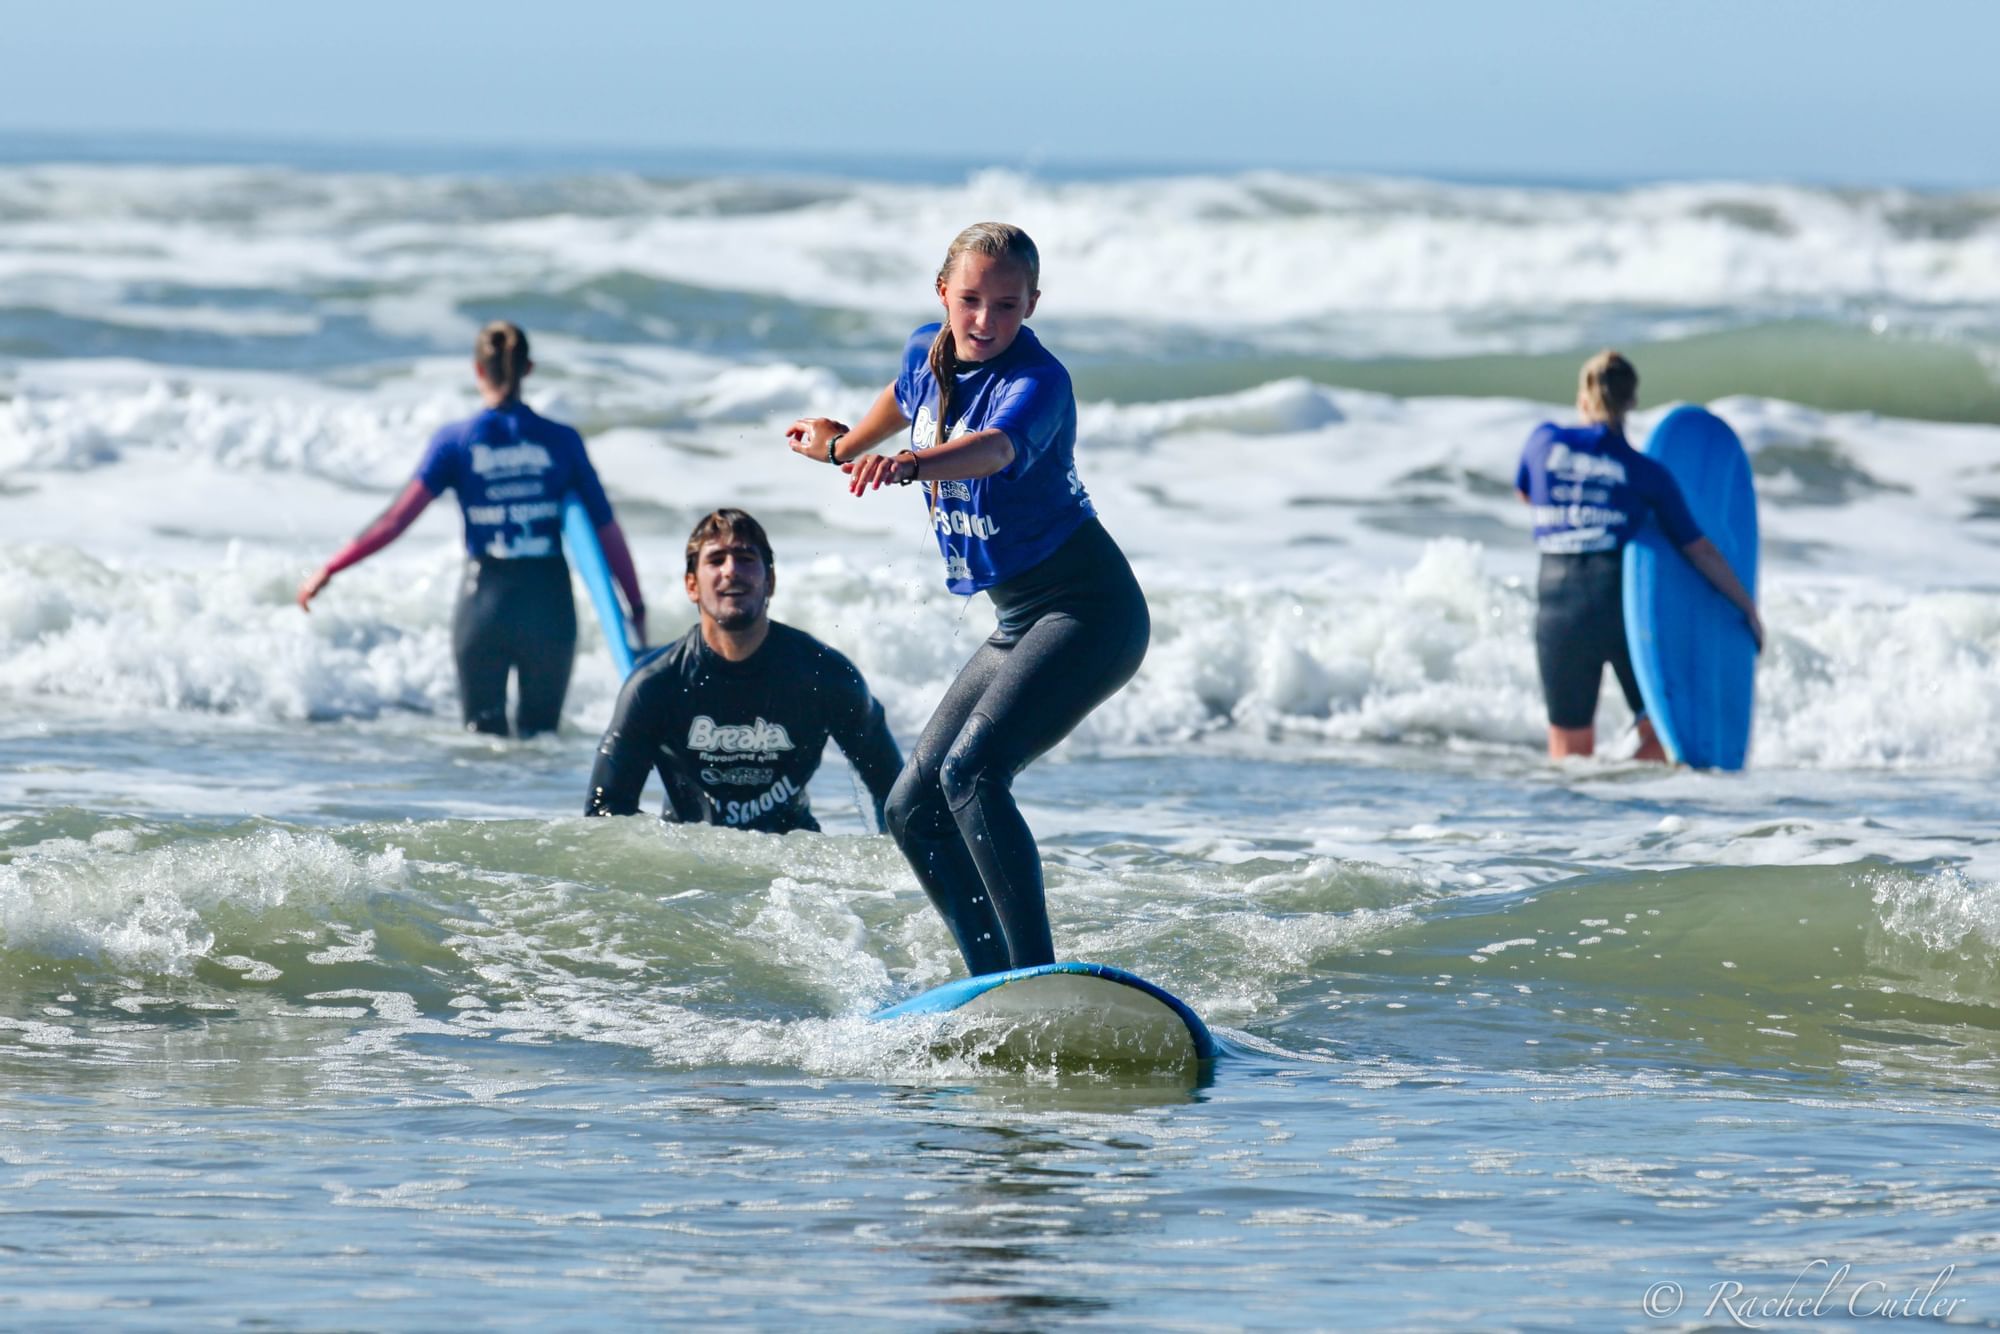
{"type": "Point", "coordinates": [510, 468]}
{"type": "Point", "coordinates": [992, 439]}
{"type": "Point", "coordinates": [736, 715]}
{"type": "Point", "coordinates": [1591, 492]}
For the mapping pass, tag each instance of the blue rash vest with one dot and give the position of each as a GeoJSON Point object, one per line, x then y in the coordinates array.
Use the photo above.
{"type": "Point", "coordinates": [510, 468]}
{"type": "Point", "coordinates": [1591, 491]}
{"type": "Point", "coordinates": [993, 528]}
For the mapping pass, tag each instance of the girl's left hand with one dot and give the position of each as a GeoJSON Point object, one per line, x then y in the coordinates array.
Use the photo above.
{"type": "Point", "coordinates": [311, 587]}
{"type": "Point", "coordinates": [873, 471]}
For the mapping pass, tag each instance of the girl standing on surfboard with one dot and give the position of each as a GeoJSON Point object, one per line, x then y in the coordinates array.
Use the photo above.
{"type": "Point", "coordinates": [510, 468]}
{"type": "Point", "coordinates": [992, 440]}
{"type": "Point", "coordinates": [1591, 492]}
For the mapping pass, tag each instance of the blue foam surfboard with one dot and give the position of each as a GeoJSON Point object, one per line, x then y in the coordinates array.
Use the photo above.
{"type": "Point", "coordinates": [1691, 649]}
{"type": "Point", "coordinates": [1090, 1008]}
{"type": "Point", "coordinates": [586, 557]}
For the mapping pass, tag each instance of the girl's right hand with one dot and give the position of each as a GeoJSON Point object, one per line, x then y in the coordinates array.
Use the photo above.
{"type": "Point", "coordinates": [808, 436]}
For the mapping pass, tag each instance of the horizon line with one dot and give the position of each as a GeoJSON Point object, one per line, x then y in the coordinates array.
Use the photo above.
{"type": "Point", "coordinates": [448, 156]}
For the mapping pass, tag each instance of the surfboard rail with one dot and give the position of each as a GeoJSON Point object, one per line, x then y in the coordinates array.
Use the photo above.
{"type": "Point", "coordinates": [586, 558]}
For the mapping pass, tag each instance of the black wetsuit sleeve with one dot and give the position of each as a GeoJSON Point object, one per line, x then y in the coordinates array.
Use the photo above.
{"type": "Point", "coordinates": [629, 749]}
{"type": "Point", "coordinates": [1671, 507]}
{"type": "Point", "coordinates": [861, 730]}
{"type": "Point", "coordinates": [684, 804]}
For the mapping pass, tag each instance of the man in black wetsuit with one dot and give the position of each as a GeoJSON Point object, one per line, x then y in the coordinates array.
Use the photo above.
{"type": "Point", "coordinates": [734, 716]}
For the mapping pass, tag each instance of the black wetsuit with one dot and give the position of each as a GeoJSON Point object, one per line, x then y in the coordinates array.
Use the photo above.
{"type": "Point", "coordinates": [1590, 493]}
{"type": "Point", "coordinates": [510, 468]}
{"type": "Point", "coordinates": [514, 615]}
{"type": "Point", "coordinates": [1579, 628]}
{"type": "Point", "coordinates": [736, 742]}
{"type": "Point", "coordinates": [1073, 630]}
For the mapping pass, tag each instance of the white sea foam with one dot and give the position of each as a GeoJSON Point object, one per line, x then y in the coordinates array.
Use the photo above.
{"type": "Point", "coordinates": [1334, 477]}
{"type": "Point", "coordinates": [79, 416]}
{"type": "Point", "coordinates": [1440, 651]}
{"type": "Point", "coordinates": [1340, 264]}
{"type": "Point", "coordinates": [159, 909]}
{"type": "Point", "coordinates": [1338, 563]}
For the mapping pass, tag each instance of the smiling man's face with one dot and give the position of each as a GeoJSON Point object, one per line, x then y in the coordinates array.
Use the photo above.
{"type": "Point", "coordinates": [731, 583]}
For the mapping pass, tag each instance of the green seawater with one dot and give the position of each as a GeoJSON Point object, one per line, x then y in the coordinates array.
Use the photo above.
{"type": "Point", "coordinates": [1837, 367]}
{"type": "Point", "coordinates": [1503, 1049]}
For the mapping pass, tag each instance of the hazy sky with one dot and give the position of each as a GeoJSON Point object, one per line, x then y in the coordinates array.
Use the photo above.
{"type": "Point", "coordinates": [1830, 90]}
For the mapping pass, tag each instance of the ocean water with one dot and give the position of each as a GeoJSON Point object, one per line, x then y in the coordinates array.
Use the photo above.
{"type": "Point", "coordinates": [317, 1013]}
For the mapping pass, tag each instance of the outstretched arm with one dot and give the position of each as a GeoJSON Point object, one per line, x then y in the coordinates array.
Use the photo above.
{"type": "Point", "coordinates": [980, 454]}
{"type": "Point", "coordinates": [1704, 556]}
{"type": "Point", "coordinates": [1024, 419]}
{"type": "Point", "coordinates": [619, 557]}
{"type": "Point", "coordinates": [810, 436]}
{"type": "Point", "coordinates": [402, 512]}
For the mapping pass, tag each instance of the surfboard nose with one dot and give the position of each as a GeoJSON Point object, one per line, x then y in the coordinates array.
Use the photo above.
{"type": "Point", "coordinates": [1070, 1012]}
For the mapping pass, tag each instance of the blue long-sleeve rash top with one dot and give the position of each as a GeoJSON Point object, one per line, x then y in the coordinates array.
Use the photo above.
{"type": "Point", "coordinates": [510, 468]}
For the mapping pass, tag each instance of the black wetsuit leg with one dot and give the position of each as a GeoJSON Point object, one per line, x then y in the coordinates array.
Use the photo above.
{"type": "Point", "coordinates": [1621, 667]}
{"type": "Point", "coordinates": [544, 649]}
{"type": "Point", "coordinates": [1073, 631]}
{"type": "Point", "coordinates": [921, 823]}
{"type": "Point", "coordinates": [482, 666]}
{"type": "Point", "coordinates": [514, 615]}
{"type": "Point", "coordinates": [1579, 628]}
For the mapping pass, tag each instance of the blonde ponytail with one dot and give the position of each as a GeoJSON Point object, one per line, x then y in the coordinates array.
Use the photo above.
{"type": "Point", "coordinates": [944, 369]}
{"type": "Point", "coordinates": [1607, 388]}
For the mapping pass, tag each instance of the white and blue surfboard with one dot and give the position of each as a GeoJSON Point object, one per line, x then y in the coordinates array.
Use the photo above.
{"type": "Point", "coordinates": [586, 558]}
{"type": "Point", "coordinates": [1691, 648]}
{"type": "Point", "coordinates": [1073, 1011]}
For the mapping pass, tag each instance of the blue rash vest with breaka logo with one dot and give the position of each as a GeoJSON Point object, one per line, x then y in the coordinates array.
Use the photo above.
{"type": "Point", "coordinates": [993, 528]}
{"type": "Point", "coordinates": [510, 468]}
{"type": "Point", "coordinates": [1591, 491]}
